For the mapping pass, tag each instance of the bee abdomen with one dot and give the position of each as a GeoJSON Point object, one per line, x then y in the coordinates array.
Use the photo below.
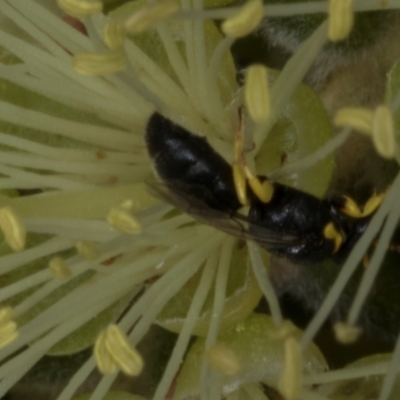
{"type": "Point", "coordinates": [189, 162]}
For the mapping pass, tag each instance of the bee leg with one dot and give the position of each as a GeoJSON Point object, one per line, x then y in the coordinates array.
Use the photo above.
{"type": "Point", "coordinates": [243, 175]}
{"type": "Point", "coordinates": [330, 232]}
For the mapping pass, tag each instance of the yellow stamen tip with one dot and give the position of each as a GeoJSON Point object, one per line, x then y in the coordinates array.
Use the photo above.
{"type": "Point", "coordinates": [8, 328]}
{"type": "Point", "coordinates": [245, 21]}
{"type": "Point", "coordinates": [150, 15]}
{"type": "Point", "coordinates": [290, 382]}
{"type": "Point", "coordinates": [94, 64]}
{"type": "Point", "coordinates": [341, 19]}
{"type": "Point", "coordinates": [256, 93]}
{"type": "Point", "coordinates": [13, 229]}
{"type": "Point", "coordinates": [59, 269]}
{"type": "Point", "coordinates": [80, 8]}
{"type": "Point", "coordinates": [122, 352]}
{"type": "Point", "coordinates": [88, 250]}
{"type": "Point", "coordinates": [357, 118]}
{"type": "Point", "coordinates": [346, 333]}
{"type": "Point", "coordinates": [383, 132]}
{"type": "Point", "coordinates": [114, 35]}
{"type": "Point", "coordinates": [122, 220]}
{"type": "Point", "coordinates": [104, 360]}
{"type": "Point", "coordinates": [223, 359]}
{"type": "Point", "coordinates": [6, 314]}
{"type": "Point", "coordinates": [331, 233]}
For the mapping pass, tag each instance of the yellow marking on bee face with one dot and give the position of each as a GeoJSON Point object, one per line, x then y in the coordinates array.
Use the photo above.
{"type": "Point", "coordinates": [331, 233]}
{"type": "Point", "coordinates": [351, 208]}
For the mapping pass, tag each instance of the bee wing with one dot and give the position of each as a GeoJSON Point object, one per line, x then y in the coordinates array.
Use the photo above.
{"type": "Point", "coordinates": [233, 223]}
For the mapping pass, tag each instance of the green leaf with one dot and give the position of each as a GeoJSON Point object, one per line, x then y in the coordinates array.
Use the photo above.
{"type": "Point", "coordinates": [302, 128]}
{"type": "Point", "coordinates": [260, 351]}
{"type": "Point", "coordinates": [242, 296]}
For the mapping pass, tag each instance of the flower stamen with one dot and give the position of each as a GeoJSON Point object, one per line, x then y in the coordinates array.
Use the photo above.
{"type": "Point", "coordinates": [93, 64]}
{"type": "Point", "coordinates": [114, 35]}
{"type": "Point", "coordinates": [245, 21]}
{"type": "Point", "coordinates": [80, 8]}
{"type": "Point", "coordinates": [88, 250]}
{"type": "Point", "coordinates": [13, 229]}
{"type": "Point", "coordinates": [341, 19]}
{"type": "Point", "coordinates": [8, 328]}
{"type": "Point", "coordinates": [223, 358]}
{"type": "Point", "coordinates": [290, 382]}
{"type": "Point", "coordinates": [355, 117]}
{"type": "Point", "coordinates": [346, 333]}
{"type": "Point", "coordinates": [122, 220]}
{"type": "Point", "coordinates": [256, 93]}
{"type": "Point", "coordinates": [150, 15]}
{"type": "Point", "coordinates": [59, 269]}
{"type": "Point", "coordinates": [383, 132]}
{"type": "Point", "coordinates": [124, 355]}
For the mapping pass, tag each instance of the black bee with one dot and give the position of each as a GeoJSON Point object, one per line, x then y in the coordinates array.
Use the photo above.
{"type": "Point", "coordinates": [293, 224]}
{"type": "Point", "coordinates": [308, 237]}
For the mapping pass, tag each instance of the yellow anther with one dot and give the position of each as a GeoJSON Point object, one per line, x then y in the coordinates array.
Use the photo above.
{"type": "Point", "coordinates": [6, 314]}
{"type": "Point", "coordinates": [105, 362]}
{"type": "Point", "coordinates": [59, 269]}
{"type": "Point", "coordinates": [351, 208]}
{"type": "Point", "coordinates": [356, 118]}
{"type": "Point", "coordinates": [8, 328]}
{"type": "Point", "coordinates": [8, 333]}
{"type": "Point", "coordinates": [114, 35]}
{"type": "Point", "coordinates": [93, 64]}
{"type": "Point", "coordinates": [373, 203]}
{"type": "Point", "coordinates": [122, 352]}
{"type": "Point", "coordinates": [245, 21]}
{"type": "Point", "coordinates": [239, 180]}
{"type": "Point", "coordinates": [127, 204]}
{"type": "Point", "coordinates": [150, 15]}
{"type": "Point", "coordinates": [346, 333]}
{"type": "Point", "coordinates": [256, 93]}
{"type": "Point", "coordinates": [88, 250]}
{"type": "Point", "coordinates": [283, 331]}
{"type": "Point", "coordinates": [123, 221]}
{"type": "Point", "coordinates": [80, 8]}
{"type": "Point", "coordinates": [222, 358]}
{"type": "Point", "coordinates": [290, 382]}
{"type": "Point", "coordinates": [331, 233]}
{"type": "Point", "coordinates": [341, 19]}
{"type": "Point", "coordinates": [383, 132]}
{"type": "Point", "coordinates": [13, 229]}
